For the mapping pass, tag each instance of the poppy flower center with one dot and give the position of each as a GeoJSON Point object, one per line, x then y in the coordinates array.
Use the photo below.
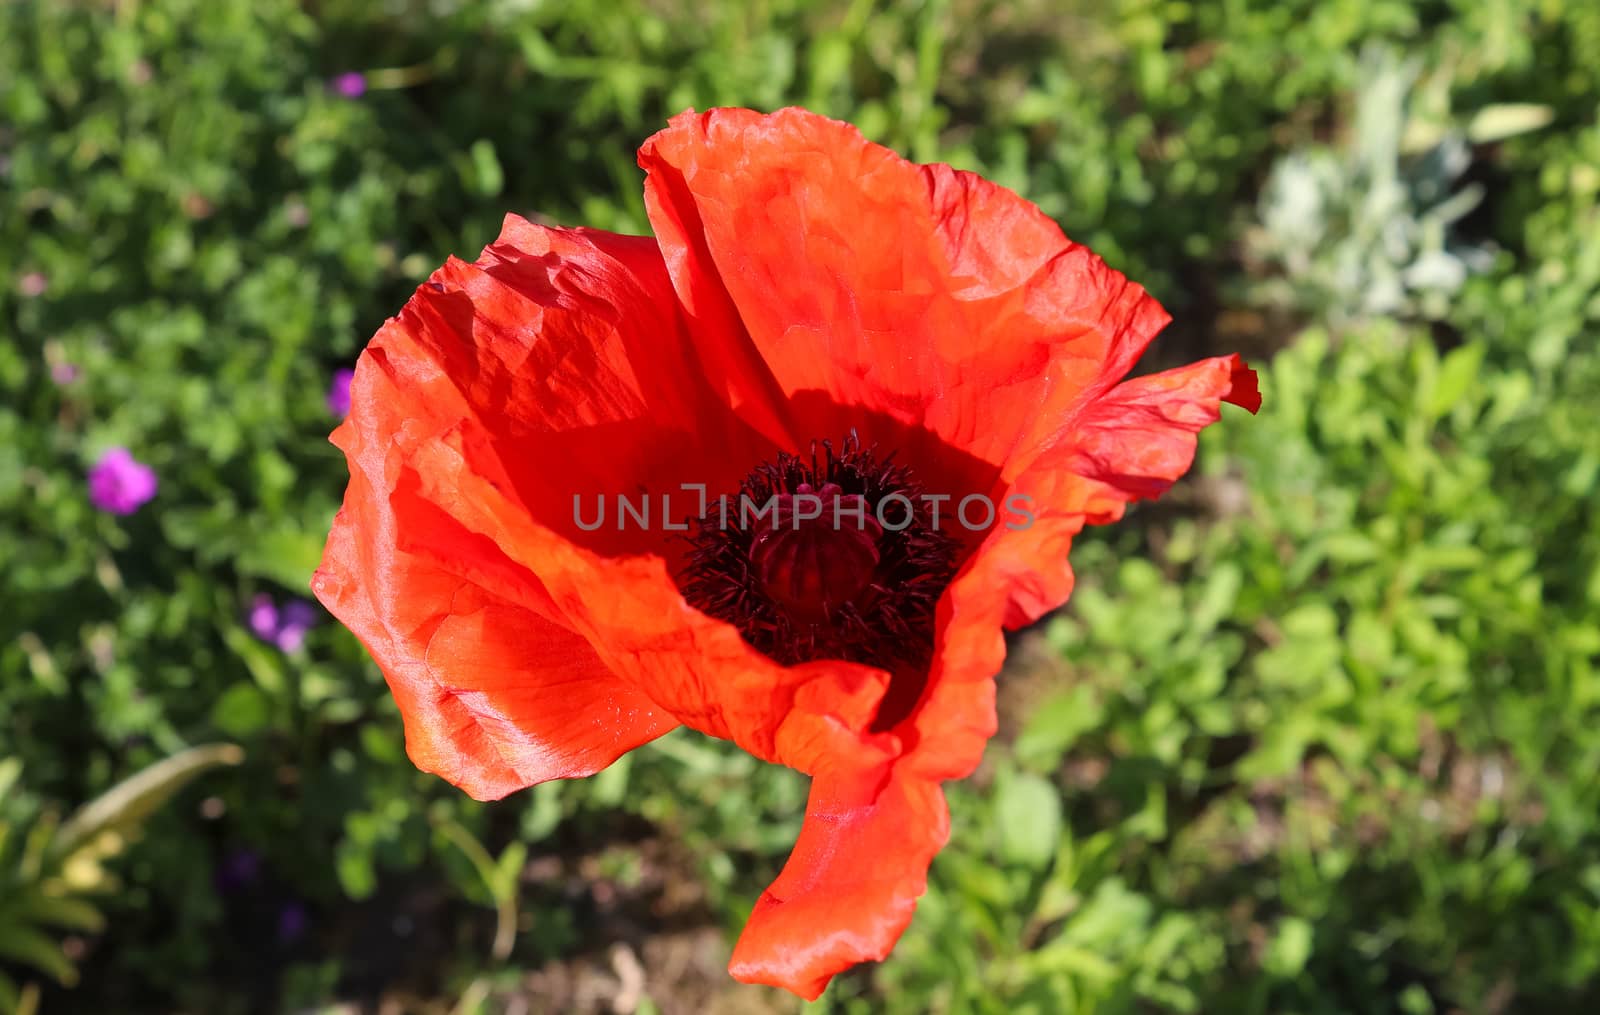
{"type": "Point", "coordinates": [818, 552]}
{"type": "Point", "coordinates": [833, 556]}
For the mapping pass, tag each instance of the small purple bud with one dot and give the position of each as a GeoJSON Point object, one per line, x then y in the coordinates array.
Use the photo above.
{"type": "Point", "coordinates": [64, 373]}
{"type": "Point", "coordinates": [33, 284]}
{"type": "Point", "coordinates": [264, 617]}
{"type": "Point", "coordinates": [297, 619]}
{"type": "Point", "coordinates": [351, 84]}
{"type": "Point", "coordinates": [339, 392]}
{"type": "Point", "coordinates": [299, 613]}
{"type": "Point", "coordinates": [119, 483]}
{"type": "Point", "coordinates": [238, 869]}
{"type": "Point", "coordinates": [292, 922]}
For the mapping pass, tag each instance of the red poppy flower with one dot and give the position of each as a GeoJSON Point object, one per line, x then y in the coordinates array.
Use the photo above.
{"type": "Point", "coordinates": [815, 318]}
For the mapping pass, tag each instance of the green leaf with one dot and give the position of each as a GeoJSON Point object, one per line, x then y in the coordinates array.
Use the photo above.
{"type": "Point", "coordinates": [1290, 948]}
{"type": "Point", "coordinates": [489, 179]}
{"type": "Point", "coordinates": [353, 866]}
{"type": "Point", "coordinates": [500, 879]}
{"type": "Point", "coordinates": [610, 786]}
{"type": "Point", "coordinates": [32, 905]}
{"type": "Point", "coordinates": [544, 811]}
{"type": "Point", "coordinates": [33, 948]}
{"type": "Point", "coordinates": [265, 664]}
{"type": "Point", "coordinates": [1456, 374]}
{"type": "Point", "coordinates": [287, 556]}
{"type": "Point", "coordinates": [242, 710]}
{"type": "Point", "coordinates": [382, 745]}
{"type": "Point", "coordinates": [126, 804]}
{"type": "Point", "coordinates": [1217, 598]}
{"type": "Point", "coordinates": [1056, 724]}
{"type": "Point", "coordinates": [1508, 119]}
{"type": "Point", "coordinates": [10, 770]}
{"type": "Point", "coordinates": [1279, 751]}
{"type": "Point", "coordinates": [1028, 813]}
{"type": "Point", "coordinates": [1069, 957]}
{"type": "Point", "coordinates": [1414, 1000]}
{"type": "Point", "coordinates": [508, 869]}
{"type": "Point", "coordinates": [18, 1002]}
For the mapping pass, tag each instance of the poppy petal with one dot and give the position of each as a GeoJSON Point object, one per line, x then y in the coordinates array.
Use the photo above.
{"type": "Point", "coordinates": [562, 339]}
{"type": "Point", "coordinates": [699, 670]}
{"type": "Point", "coordinates": [494, 695]}
{"type": "Point", "coordinates": [1130, 444]}
{"type": "Point", "coordinates": [851, 884]}
{"type": "Point", "coordinates": [1136, 440]}
{"type": "Point", "coordinates": [506, 387]}
{"type": "Point", "coordinates": [923, 292]}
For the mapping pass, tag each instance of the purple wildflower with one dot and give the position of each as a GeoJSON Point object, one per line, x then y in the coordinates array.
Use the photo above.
{"type": "Point", "coordinates": [239, 869]}
{"type": "Point", "coordinates": [119, 483]}
{"type": "Point", "coordinates": [286, 627]}
{"type": "Point", "coordinates": [339, 392]}
{"type": "Point", "coordinates": [64, 373]}
{"type": "Point", "coordinates": [292, 922]}
{"type": "Point", "coordinates": [264, 617]}
{"type": "Point", "coordinates": [33, 284]}
{"type": "Point", "coordinates": [351, 84]}
{"type": "Point", "coordinates": [297, 618]}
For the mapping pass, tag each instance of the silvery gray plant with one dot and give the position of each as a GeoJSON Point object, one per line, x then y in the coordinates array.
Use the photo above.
{"type": "Point", "coordinates": [1365, 229]}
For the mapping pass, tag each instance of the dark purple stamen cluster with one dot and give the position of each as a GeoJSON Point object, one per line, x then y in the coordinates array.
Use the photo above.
{"type": "Point", "coordinates": [802, 585]}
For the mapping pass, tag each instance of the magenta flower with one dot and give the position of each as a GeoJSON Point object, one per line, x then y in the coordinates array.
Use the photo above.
{"type": "Point", "coordinates": [264, 617]}
{"type": "Point", "coordinates": [120, 483]}
{"type": "Point", "coordinates": [352, 84]}
{"type": "Point", "coordinates": [298, 617]}
{"type": "Point", "coordinates": [64, 373]}
{"type": "Point", "coordinates": [286, 627]}
{"type": "Point", "coordinates": [339, 392]}
{"type": "Point", "coordinates": [33, 284]}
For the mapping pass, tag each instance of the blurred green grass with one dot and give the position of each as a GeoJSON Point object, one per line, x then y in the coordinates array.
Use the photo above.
{"type": "Point", "coordinates": [1318, 733]}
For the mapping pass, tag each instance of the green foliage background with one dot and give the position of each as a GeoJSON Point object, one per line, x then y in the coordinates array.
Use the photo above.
{"type": "Point", "coordinates": [1318, 734]}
